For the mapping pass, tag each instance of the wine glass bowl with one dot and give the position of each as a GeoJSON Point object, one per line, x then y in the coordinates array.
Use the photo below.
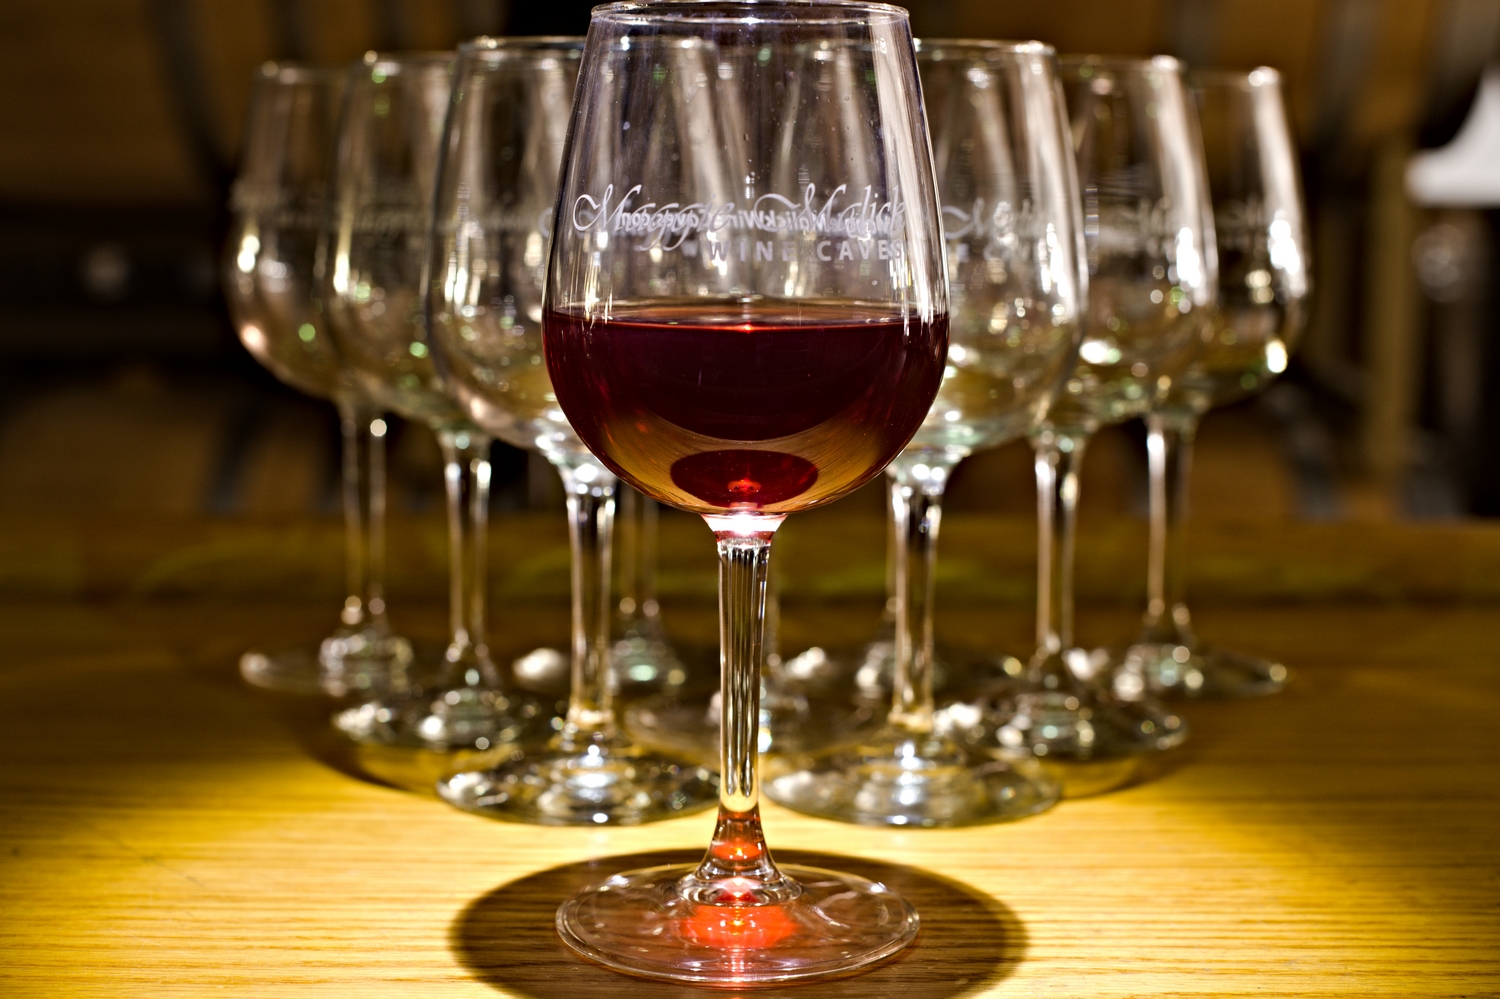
{"type": "Point", "coordinates": [1152, 260]}
{"type": "Point", "coordinates": [1261, 238]}
{"type": "Point", "coordinates": [493, 224]}
{"type": "Point", "coordinates": [277, 237]}
{"type": "Point", "coordinates": [727, 405]}
{"type": "Point", "coordinates": [389, 140]}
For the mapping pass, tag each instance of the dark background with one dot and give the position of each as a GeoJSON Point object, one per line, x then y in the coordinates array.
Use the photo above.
{"type": "Point", "coordinates": [123, 389]}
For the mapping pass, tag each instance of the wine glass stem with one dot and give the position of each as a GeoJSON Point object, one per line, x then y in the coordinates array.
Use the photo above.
{"type": "Point", "coordinates": [916, 505]}
{"type": "Point", "coordinates": [591, 491]}
{"type": "Point", "coordinates": [892, 544]}
{"type": "Point", "coordinates": [739, 848]}
{"type": "Point", "coordinates": [374, 428]}
{"type": "Point", "coordinates": [1059, 455]}
{"type": "Point", "coordinates": [1169, 452]}
{"type": "Point", "coordinates": [648, 513]}
{"type": "Point", "coordinates": [635, 547]}
{"type": "Point", "coordinates": [466, 476]}
{"type": "Point", "coordinates": [354, 420]}
{"type": "Point", "coordinates": [628, 543]}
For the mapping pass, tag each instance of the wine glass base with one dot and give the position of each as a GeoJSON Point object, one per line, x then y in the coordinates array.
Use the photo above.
{"type": "Point", "coordinates": [1088, 745]}
{"type": "Point", "coordinates": [638, 923]}
{"type": "Point", "coordinates": [294, 672]}
{"type": "Point", "coordinates": [789, 725]}
{"type": "Point", "coordinates": [1168, 670]}
{"type": "Point", "coordinates": [599, 786]}
{"type": "Point", "coordinates": [349, 662]}
{"type": "Point", "coordinates": [300, 672]}
{"type": "Point", "coordinates": [645, 663]}
{"type": "Point", "coordinates": [874, 670]}
{"type": "Point", "coordinates": [1069, 726]}
{"type": "Point", "coordinates": [444, 719]}
{"type": "Point", "coordinates": [898, 780]}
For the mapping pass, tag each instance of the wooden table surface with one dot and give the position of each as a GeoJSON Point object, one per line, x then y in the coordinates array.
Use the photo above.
{"type": "Point", "coordinates": [165, 831]}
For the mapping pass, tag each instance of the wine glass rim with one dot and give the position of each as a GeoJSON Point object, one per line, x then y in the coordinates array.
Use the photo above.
{"type": "Point", "coordinates": [291, 71]}
{"type": "Point", "coordinates": [745, 11]}
{"type": "Point", "coordinates": [1243, 79]}
{"type": "Point", "coordinates": [404, 60]}
{"type": "Point", "coordinates": [522, 43]}
{"type": "Point", "coordinates": [926, 46]}
{"type": "Point", "coordinates": [1126, 64]}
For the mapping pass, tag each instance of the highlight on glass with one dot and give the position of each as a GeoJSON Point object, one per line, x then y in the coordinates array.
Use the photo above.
{"type": "Point", "coordinates": [746, 316]}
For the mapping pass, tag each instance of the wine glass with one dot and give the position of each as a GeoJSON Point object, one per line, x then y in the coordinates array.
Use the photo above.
{"type": "Point", "coordinates": [387, 159]}
{"type": "Point", "coordinates": [1018, 284]}
{"type": "Point", "coordinates": [276, 249]}
{"type": "Point", "coordinates": [1263, 260]}
{"type": "Point", "coordinates": [496, 194]}
{"type": "Point", "coordinates": [1152, 277]}
{"type": "Point", "coordinates": [746, 316]}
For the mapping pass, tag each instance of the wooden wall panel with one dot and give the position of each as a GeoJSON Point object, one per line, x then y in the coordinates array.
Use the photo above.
{"type": "Point", "coordinates": [1104, 26]}
{"type": "Point", "coordinates": [1396, 83]}
{"type": "Point", "coordinates": [87, 115]}
{"type": "Point", "coordinates": [236, 38]}
{"type": "Point", "coordinates": [1280, 33]}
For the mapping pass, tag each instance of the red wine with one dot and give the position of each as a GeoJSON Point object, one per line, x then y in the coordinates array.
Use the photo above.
{"type": "Point", "coordinates": [721, 406]}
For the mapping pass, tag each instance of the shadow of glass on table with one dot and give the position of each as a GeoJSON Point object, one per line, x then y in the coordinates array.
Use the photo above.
{"type": "Point", "coordinates": [968, 940]}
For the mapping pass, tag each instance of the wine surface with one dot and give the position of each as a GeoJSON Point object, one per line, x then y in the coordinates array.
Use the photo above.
{"type": "Point", "coordinates": [716, 406]}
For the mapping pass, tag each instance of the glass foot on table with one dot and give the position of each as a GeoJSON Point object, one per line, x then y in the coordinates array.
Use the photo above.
{"type": "Point", "coordinates": [444, 719]}
{"type": "Point", "coordinates": [349, 662]}
{"type": "Point", "coordinates": [897, 779]}
{"type": "Point", "coordinates": [1168, 670]}
{"type": "Point", "coordinates": [293, 672]}
{"type": "Point", "coordinates": [1089, 743]}
{"type": "Point", "coordinates": [600, 784]}
{"type": "Point", "coordinates": [643, 923]}
{"type": "Point", "coordinates": [646, 663]}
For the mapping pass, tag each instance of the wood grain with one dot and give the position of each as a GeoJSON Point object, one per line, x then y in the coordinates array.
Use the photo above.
{"type": "Point", "coordinates": [165, 832]}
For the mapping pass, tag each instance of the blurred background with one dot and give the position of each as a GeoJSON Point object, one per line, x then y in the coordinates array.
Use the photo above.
{"type": "Point", "coordinates": [124, 394]}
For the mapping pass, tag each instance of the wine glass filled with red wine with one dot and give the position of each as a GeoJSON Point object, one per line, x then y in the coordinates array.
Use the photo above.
{"type": "Point", "coordinates": [746, 316]}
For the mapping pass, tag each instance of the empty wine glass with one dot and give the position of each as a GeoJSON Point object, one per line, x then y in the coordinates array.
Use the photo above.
{"type": "Point", "coordinates": [276, 249]}
{"type": "Point", "coordinates": [387, 160]}
{"type": "Point", "coordinates": [746, 316]}
{"type": "Point", "coordinates": [1018, 283]}
{"type": "Point", "coordinates": [1152, 274]}
{"type": "Point", "coordinates": [1257, 206]}
{"type": "Point", "coordinates": [497, 191]}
